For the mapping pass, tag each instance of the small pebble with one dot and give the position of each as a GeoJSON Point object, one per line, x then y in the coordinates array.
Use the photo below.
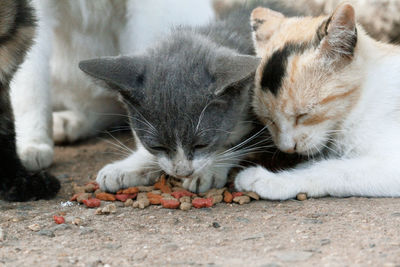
{"type": "Point", "coordinates": [301, 196]}
{"type": "Point", "coordinates": [77, 221]}
{"type": "Point", "coordinates": [34, 227]}
{"type": "Point", "coordinates": [216, 225]}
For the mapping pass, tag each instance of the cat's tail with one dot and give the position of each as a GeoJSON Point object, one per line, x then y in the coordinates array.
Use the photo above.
{"type": "Point", "coordinates": [32, 186]}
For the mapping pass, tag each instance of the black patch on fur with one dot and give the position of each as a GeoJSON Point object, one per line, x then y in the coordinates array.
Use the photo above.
{"type": "Point", "coordinates": [275, 68]}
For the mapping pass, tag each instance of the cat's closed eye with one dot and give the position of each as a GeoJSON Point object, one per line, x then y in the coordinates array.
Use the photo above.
{"type": "Point", "coordinates": [159, 148]}
{"type": "Point", "coordinates": [300, 118]}
{"type": "Point", "coordinates": [200, 146]}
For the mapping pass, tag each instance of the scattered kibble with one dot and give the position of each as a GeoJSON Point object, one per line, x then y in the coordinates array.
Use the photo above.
{"type": "Point", "coordinates": [92, 202]}
{"type": "Point", "coordinates": [58, 219]}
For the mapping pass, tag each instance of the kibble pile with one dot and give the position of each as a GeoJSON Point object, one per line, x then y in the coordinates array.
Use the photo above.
{"type": "Point", "coordinates": [168, 193]}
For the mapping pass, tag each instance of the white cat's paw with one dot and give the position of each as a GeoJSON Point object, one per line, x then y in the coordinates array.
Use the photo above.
{"type": "Point", "coordinates": [67, 126]}
{"type": "Point", "coordinates": [116, 176]}
{"type": "Point", "coordinates": [267, 184]}
{"type": "Point", "coordinates": [35, 156]}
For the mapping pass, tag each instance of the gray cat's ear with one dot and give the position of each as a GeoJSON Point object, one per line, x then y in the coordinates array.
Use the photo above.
{"type": "Point", "coordinates": [232, 70]}
{"type": "Point", "coordinates": [119, 73]}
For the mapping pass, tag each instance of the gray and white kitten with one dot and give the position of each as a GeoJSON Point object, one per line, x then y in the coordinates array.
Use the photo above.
{"type": "Point", "coordinates": [188, 104]}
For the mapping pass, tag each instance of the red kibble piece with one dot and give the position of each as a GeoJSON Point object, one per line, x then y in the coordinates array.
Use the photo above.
{"type": "Point", "coordinates": [92, 202]}
{"type": "Point", "coordinates": [202, 202]}
{"type": "Point", "coordinates": [125, 197]}
{"type": "Point", "coordinates": [181, 193]}
{"type": "Point", "coordinates": [58, 219]}
{"type": "Point", "coordinates": [237, 194]}
{"type": "Point", "coordinates": [170, 203]}
{"type": "Point", "coordinates": [130, 190]}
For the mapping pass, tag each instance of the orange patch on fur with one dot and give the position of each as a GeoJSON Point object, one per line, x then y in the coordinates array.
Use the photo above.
{"type": "Point", "coordinates": [339, 96]}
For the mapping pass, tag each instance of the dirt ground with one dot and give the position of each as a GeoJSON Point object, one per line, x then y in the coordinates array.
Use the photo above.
{"type": "Point", "coordinates": [319, 232]}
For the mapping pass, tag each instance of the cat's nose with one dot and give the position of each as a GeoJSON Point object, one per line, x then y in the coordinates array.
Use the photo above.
{"type": "Point", "coordinates": [291, 150]}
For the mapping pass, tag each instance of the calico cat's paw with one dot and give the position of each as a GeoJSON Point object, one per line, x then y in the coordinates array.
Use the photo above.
{"type": "Point", "coordinates": [116, 176]}
{"type": "Point", "coordinates": [267, 184]}
{"type": "Point", "coordinates": [35, 156]}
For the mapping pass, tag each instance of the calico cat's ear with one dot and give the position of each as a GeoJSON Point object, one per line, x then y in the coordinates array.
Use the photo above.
{"type": "Point", "coordinates": [232, 70]}
{"type": "Point", "coordinates": [122, 73]}
{"type": "Point", "coordinates": [338, 34]}
{"type": "Point", "coordinates": [264, 22]}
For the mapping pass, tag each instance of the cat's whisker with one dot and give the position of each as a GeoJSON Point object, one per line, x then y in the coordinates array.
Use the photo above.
{"type": "Point", "coordinates": [145, 121]}
{"type": "Point", "coordinates": [119, 142]}
{"type": "Point", "coordinates": [245, 141]}
{"type": "Point", "coordinates": [116, 146]}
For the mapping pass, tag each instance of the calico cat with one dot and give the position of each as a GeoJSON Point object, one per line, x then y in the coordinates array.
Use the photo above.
{"type": "Point", "coordinates": [188, 104]}
{"type": "Point", "coordinates": [327, 90]}
{"type": "Point", "coordinates": [17, 28]}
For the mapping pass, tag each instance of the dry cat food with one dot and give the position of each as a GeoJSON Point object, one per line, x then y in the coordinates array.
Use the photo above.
{"type": "Point", "coordinates": [168, 193]}
{"type": "Point", "coordinates": [58, 219]}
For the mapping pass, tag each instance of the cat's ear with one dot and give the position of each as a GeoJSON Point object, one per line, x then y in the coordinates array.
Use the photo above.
{"type": "Point", "coordinates": [230, 71]}
{"type": "Point", "coordinates": [123, 74]}
{"type": "Point", "coordinates": [338, 34]}
{"type": "Point", "coordinates": [264, 22]}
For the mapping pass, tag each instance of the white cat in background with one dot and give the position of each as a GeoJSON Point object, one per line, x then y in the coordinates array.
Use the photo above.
{"type": "Point", "coordinates": [52, 99]}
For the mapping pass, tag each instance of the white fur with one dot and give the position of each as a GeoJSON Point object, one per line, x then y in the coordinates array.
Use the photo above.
{"type": "Point", "coordinates": [49, 80]}
{"type": "Point", "coordinates": [364, 158]}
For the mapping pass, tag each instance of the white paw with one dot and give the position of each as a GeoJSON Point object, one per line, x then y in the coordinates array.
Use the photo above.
{"type": "Point", "coordinates": [116, 176]}
{"type": "Point", "coordinates": [35, 156]}
{"type": "Point", "coordinates": [68, 126]}
{"type": "Point", "coordinates": [204, 183]}
{"type": "Point", "coordinates": [267, 184]}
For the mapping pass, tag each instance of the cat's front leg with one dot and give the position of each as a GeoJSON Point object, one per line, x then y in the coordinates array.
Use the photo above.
{"type": "Point", "coordinates": [139, 168]}
{"type": "Point", "coordinates": [268, 185]}
{"type": "Point", "coordinates": [31, 102]}
{"type": "Point", "coordinates": [214, 177]}
{"type": "Point", "coordinates": [367, 176]}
